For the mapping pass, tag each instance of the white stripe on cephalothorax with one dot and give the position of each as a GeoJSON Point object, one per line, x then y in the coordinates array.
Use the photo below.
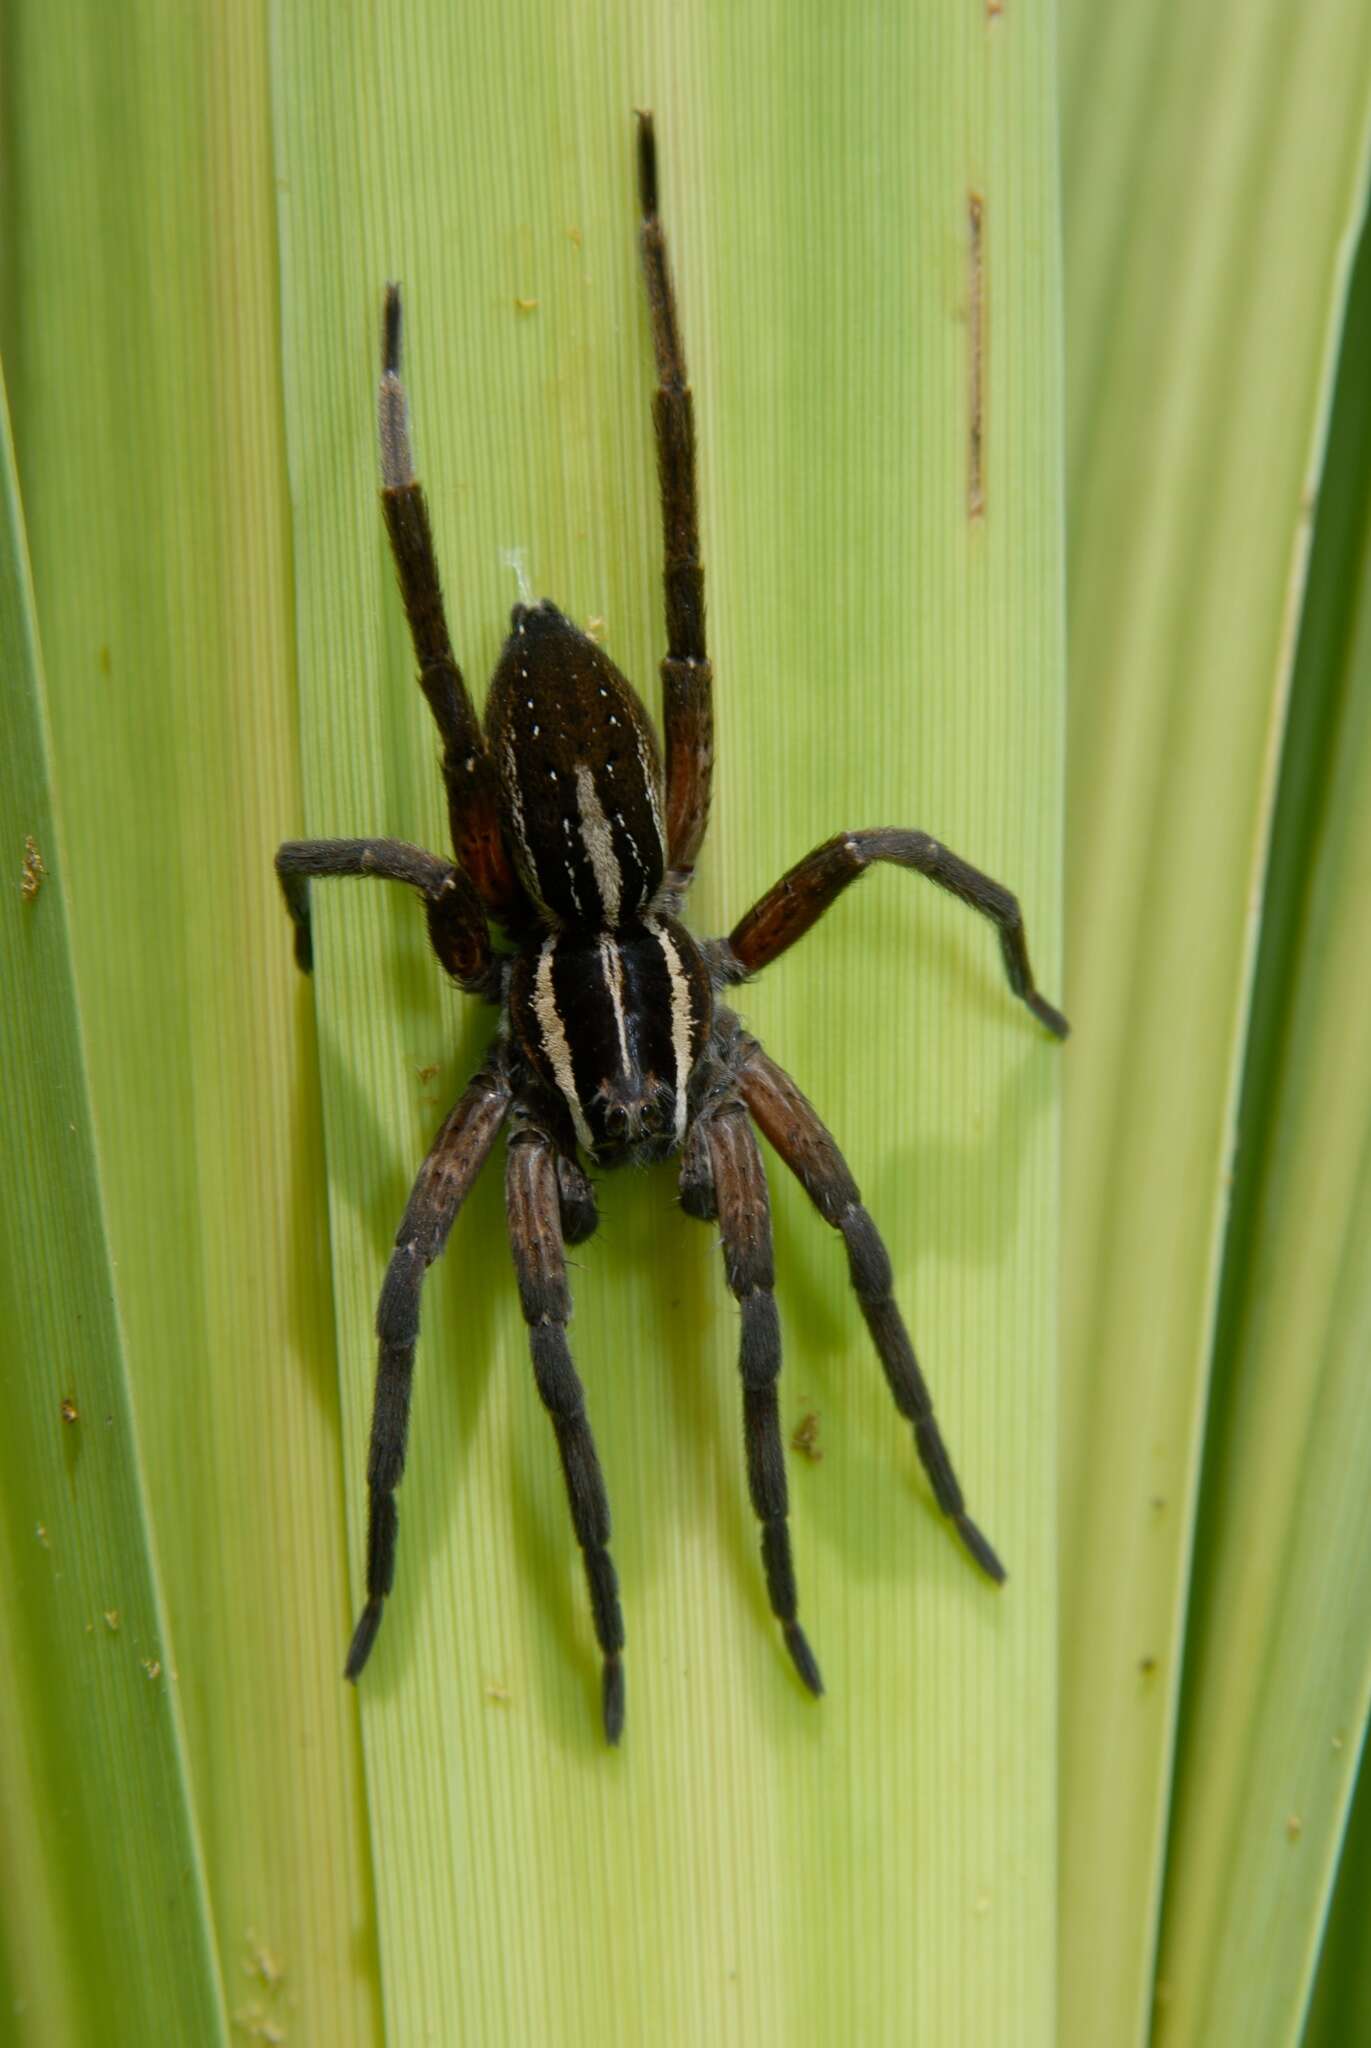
{"type": "Point", "coordinates": [555, 1041]}
{"type": "Point", "coordinates": [598, 841]}
{"type": "Point", "coordinates": [680, 1018]}
{"type": "Point", "coordinates": [612, 961]}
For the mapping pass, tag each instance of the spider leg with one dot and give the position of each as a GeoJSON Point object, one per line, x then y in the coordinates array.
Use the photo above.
{"type": "Point", "coordinates": [445, 1178]}
{"type": "Point", "coordinates": [723, 1176]}
{"type": "Point", "coordinates": [687, 679]}
{"type": "Point", "coordinates": [802, 895]}
{"type": "Point", "coordinates": [468, 771]}
{"type": "Point", "coordinates": [456, 922]}
{"type": "Point", "coordinates": [575, 1200]}
{"type": "Point", "coordinates": [792, 1125]}
{"type": "Point", "coordinates": [534, 1205]}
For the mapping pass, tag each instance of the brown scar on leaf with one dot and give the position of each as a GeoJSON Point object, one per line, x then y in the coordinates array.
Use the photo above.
{"type": "Point", "coordinates": [575, 237]}
{"type": "Point", "coordinates": [595, 628]}
{"type": "Point", "coordinates": [975, 302]}
{"type": "Point", "coordinates": [499, 1695]}
{"type": "Point", "coordinates": [70, 1412]}
{"type": "Point", "coordinates": [1294, 1827]}
{"type": "Point", "coordinates": [993, 9]}
{"type": "Point", "coordinates": [804, 1438]}
{"type": "Point", "coordinates": [426, 1074]}
{"type": "Point", "coordinates": [526, 305]}
{"type": "Point", "coordinates": [33, 872]}
{"type": "Point", "coordinates": [111, 1619]}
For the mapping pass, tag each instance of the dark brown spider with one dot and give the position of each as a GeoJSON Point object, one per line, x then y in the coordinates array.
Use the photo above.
{"type": "Point", "coordinates": [612, 1042]}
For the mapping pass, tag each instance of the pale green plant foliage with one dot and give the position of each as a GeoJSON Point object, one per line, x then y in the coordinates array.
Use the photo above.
{"type": "Point", "coordinates": [99, 1862]}
{"type": "Point", "coordinates": [142, 347]}
{"type": "Point", "coordinates": [750, 1867]}
{"type": "Point", "coordinates": [200, 488]}
{"type": "Point", "coordinates": [1278, 1669]}
{"type": "Point", "coordinates": [1340, 2009]}
{"type": "Point", "coordinates": [1214, 170]}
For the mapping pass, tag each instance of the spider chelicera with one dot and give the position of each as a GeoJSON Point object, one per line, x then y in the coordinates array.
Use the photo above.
{"type": "Point", "coordinates": [612, 1042]}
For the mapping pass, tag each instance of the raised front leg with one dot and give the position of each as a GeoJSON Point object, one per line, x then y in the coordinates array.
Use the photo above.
{"type": "Point", "coordinates": [445, 1178]}
{"type": "Point", "coordinates": [723, 1176]}
{"type": "Point", "coordinates": [801, 897]}
{"type": "Point", "coordinates": [456, 922]}
{"type": "Point", "coordinates": [535, 1194]}
{"type": "Point", "coordinates": [468, 771]}
{"type": "Point", "coordinates": [687, 679]}
{"type": "Point", "coordinates": [795, 1128]}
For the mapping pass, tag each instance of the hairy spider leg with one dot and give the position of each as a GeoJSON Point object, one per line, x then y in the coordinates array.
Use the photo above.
{"type": "Point", "coordinates": [457, 926]}
{"type": "Point", "coordinates": [729, 1182]}
{"type": "Point", "coordinates": [444, 1181]}
{"type": "Point", "coordinates": [687, 678]}
{"type": "Point", "coordinates": [792, 1125]}
{"type": "Point", "coordinates": [805, 892]}
{"type": "Point", "coordinates": [473, 795]}
{"type": "Point", "coordinates": [576, 1196]}
{"type": "Point", "coordinates": [535, 1204]}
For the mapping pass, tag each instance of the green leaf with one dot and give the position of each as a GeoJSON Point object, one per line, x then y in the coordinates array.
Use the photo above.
{"type": "Point", "coordinates": [1278, 1666]}
{"type": "Point", "coordinates": [146, 384]}
{"type": "Point", "coordinates": [100, 1865]}
{"type": "Point", "coordinates": [1214, 165]}
{"type": "Point", "coordinates": [880, 1865]}
{"type": "Point", "coordinates": [227, 667]}
{"type": "Point", "coordinates": [1341, 2006]}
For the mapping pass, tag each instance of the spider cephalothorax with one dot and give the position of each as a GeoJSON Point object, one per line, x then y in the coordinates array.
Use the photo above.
{"type": "Point", "coordinates": [578, 846]}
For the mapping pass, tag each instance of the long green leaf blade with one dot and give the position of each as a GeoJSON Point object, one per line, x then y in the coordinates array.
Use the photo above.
{"type": "Point", "coordinates": [141, 261]}
{"type": "Point", "coordinates": [99, 1857]}
{"type": "Point", "coordinates": [1212, 161]}
{"type": "Point", "coordinates": [1278, 1667]}
{"type": "Point", "coordinates": [749, 1867]}
{"type": "Point", "coordinates": [1341, 2006]}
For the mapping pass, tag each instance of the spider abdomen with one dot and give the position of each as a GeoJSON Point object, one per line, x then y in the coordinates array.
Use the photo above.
{"type": "Point", "coordinates": [580, 775]}
{"type": "Point", "coordinates": [615, 1023]}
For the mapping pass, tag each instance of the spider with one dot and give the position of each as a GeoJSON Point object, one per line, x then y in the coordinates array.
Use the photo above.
{"type": "Point", "coordinates": [576, 845]}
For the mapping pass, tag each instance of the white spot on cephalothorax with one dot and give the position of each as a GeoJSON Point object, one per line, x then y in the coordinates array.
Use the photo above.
{"type": "Point", "coordinates": [555, 1041]}
{"type": "Point", "coordinates": [598, 841]}
{"type": "Point", "coordinates": [680, 1018]}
